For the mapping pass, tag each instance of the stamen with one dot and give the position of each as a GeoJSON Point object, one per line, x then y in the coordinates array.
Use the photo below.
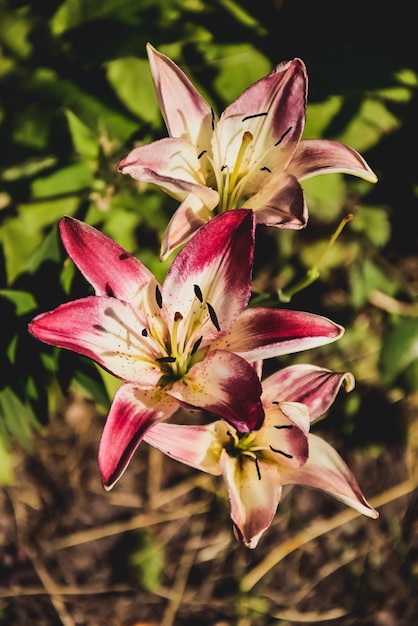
{"type": "Point", "coordinates": [224, 167]}
{"type": "Point", "coordinates": [285, 426]}
{"type": "Point", "coordinates": [213, 316]}
{"type": "Point", "coordinates": [178, 316]}
{"type": "Point", "coordinates": [213, 118]}
{"type": "Point", "coordinates": [288, 456]}
{"type": "Point", "coordinates": [196, 346]}
{"type": "Point", "coordinates": [250, 117]}
{"type": "Point", "coordinates": [257, 468]}
{"type": "Point", "coordinates": [166, 359]}
{"type": "Point", "coordinates": [158, 297]}
{"type": "Point", "coordinates": [283, 136]}
{"type": "Point", "coordinates": [265, 169]}
{"type": "Point", "coordinates": [109, 290]}
{"type": "Point", "coordinates": [198, 293]}
{"type": "Point", "coordinates": [100, 328]}
{"type": "Point", "coordinates": [144, 332]}
{"type": "Point", "coordinates": [199, 156]}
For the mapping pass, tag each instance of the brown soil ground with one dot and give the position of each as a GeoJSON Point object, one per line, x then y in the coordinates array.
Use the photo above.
{"type": "Point", "coordinates": [159, 550]}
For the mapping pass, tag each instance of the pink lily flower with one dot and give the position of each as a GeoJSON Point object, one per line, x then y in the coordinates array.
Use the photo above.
{"type": "Point", "coordinates": [256, 465]}
{"type": "Point", "coordinates": [185, 343]}
{"type": "Point", "coordinates": [252, 156]}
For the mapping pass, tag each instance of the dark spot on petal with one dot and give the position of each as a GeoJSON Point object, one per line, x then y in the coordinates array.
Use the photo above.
{"type": "Point", "coordinates": [213, 316]}
{"type": "Point", "coordinates": [101, 329]}
{"type": "Point", "coordinates": [124, 256]}
{"type": "Point", "coordinates": [258, 468]}
{"type": "Point", "coordinates": [158, 297]}
{"type": "Point", "coordinates": [196, 345]}
{"type": "Point", "coordinates": [283, 136]}
{"type": "Point", "coordinates": [198, 293]}
{"type": "Point", "coordinates": [250, 117]}
{"type": "Point", "coordinates": [109, 290]}
{"type": "Point", "coordinates": [288, 456]}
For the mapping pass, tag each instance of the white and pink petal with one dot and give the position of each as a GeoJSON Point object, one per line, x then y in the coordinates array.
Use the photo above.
{"type": "Point", "coordinates": [324, 156]}
{"type": "Point", "coordinates": [326, 470]}
{"type": "Point", "coordinates": [314, 386]}
{"type": "Point", "coordinates": [254, 492]}
{"type": "Point", "coordinates": [199, 447]}
{"type": "Point", "coordinates": [284, 434]}
{"type": "Point", "coordinates": [278, 201]}
{"type": "Point", "coordinates": [133, 412]}
{"type": "Point", "coordinates": [191, 215]}
{"type": "Point", "coordinates": [173, 165]}
{"type": "Point", "coordinates": [186, 113]}
{"type": "Point", "coordinates": [273, 111]}
{"type": "Point", "coordinates": [110, 269]}
{"type": "Point", "coordinates": [226, 386]}
{"type": "Point", "coordinates": [206, 281]}
{"type": "Point", "coordinates": [262, 333]}
{"type": "Point", "coordinates": [106, 330]}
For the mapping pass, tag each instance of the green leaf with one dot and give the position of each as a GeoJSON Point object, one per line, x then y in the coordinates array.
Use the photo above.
{"type": "Point", "coordinates": [238, 66]}
{"type": "Point", "coordinates": [325, 195]}
{"type": "Point", "coordinates": [319, 116]}
{"type": "Point", "coordinates": [66, 180]}
{"type": "Point", "coordinates": [373, 122]}
{"type": "Point", "coordinates": [148, 560]}
{"type": "Point", "coordinates": [85, 141]}
{"type": "Point", "coordinates": [72, 13]}
{"type": "Point", "coordinates": [15, 30]}
{"type": "Point", "coordinates": [399, 350]}
{"type": "Point", "coordinates": [6, 464]}
{"type": "Point", "coordinates": [18, 419]}
{"type": "Point", "coordinates": [374, 223]}
{"type": "Point", "coordinates": [131, 79]}
{"type": "Point", "coordinates": [22, 236]}
{"type": "Point", "coordinates": [23, 300]}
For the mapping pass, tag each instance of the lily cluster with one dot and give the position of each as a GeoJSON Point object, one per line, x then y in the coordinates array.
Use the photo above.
{"type": "Point", "coordinates": [193, 342]}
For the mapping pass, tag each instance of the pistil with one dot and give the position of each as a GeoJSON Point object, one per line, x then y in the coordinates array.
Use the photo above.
{"type": "Point", "coordinates": [246, 140]}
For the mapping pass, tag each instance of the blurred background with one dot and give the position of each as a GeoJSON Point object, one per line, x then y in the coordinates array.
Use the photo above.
{"type": "Point", "coordinates": [75, 96]}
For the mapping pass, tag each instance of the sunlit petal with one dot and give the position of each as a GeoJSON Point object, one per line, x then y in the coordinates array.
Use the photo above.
{"type": "Point", "coordinates": [273, 111]}
{"type": "Point", "coordinates": [110, 269]}
{"type": "Point", "coordinates": [314, 386]}
{"type": "Point", "coordinates": [262, 333]}
{"type": "Point", "coordinates": [322, 156]}
{"type": "Point", "coordinates": [254, 492]}
{"type": "Point", "coordinates": [172, 164]}
{"type": "Point", "coordinates": [191, 215]}
{"type": "Point", "coordinates": [186, 113]}
{"type": "Point", "coordinates": [132, 413]}
{"type": "Point", "coordinates": [197, 446]}
{"type": "Point", "coordinates": [106, 330]}
{"type": "Point", "coordinates": [207, 274]}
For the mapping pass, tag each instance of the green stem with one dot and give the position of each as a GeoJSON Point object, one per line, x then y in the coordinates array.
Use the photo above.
{"type": "Point", "coordinates": [313, 273]}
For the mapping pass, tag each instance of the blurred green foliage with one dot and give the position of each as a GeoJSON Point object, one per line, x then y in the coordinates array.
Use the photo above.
{"type": "Point", "coordinates": [76, 95]}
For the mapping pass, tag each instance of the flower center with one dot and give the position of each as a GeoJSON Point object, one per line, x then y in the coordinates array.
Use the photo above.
{"type": "Point", "coordinates": [178, 344]}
